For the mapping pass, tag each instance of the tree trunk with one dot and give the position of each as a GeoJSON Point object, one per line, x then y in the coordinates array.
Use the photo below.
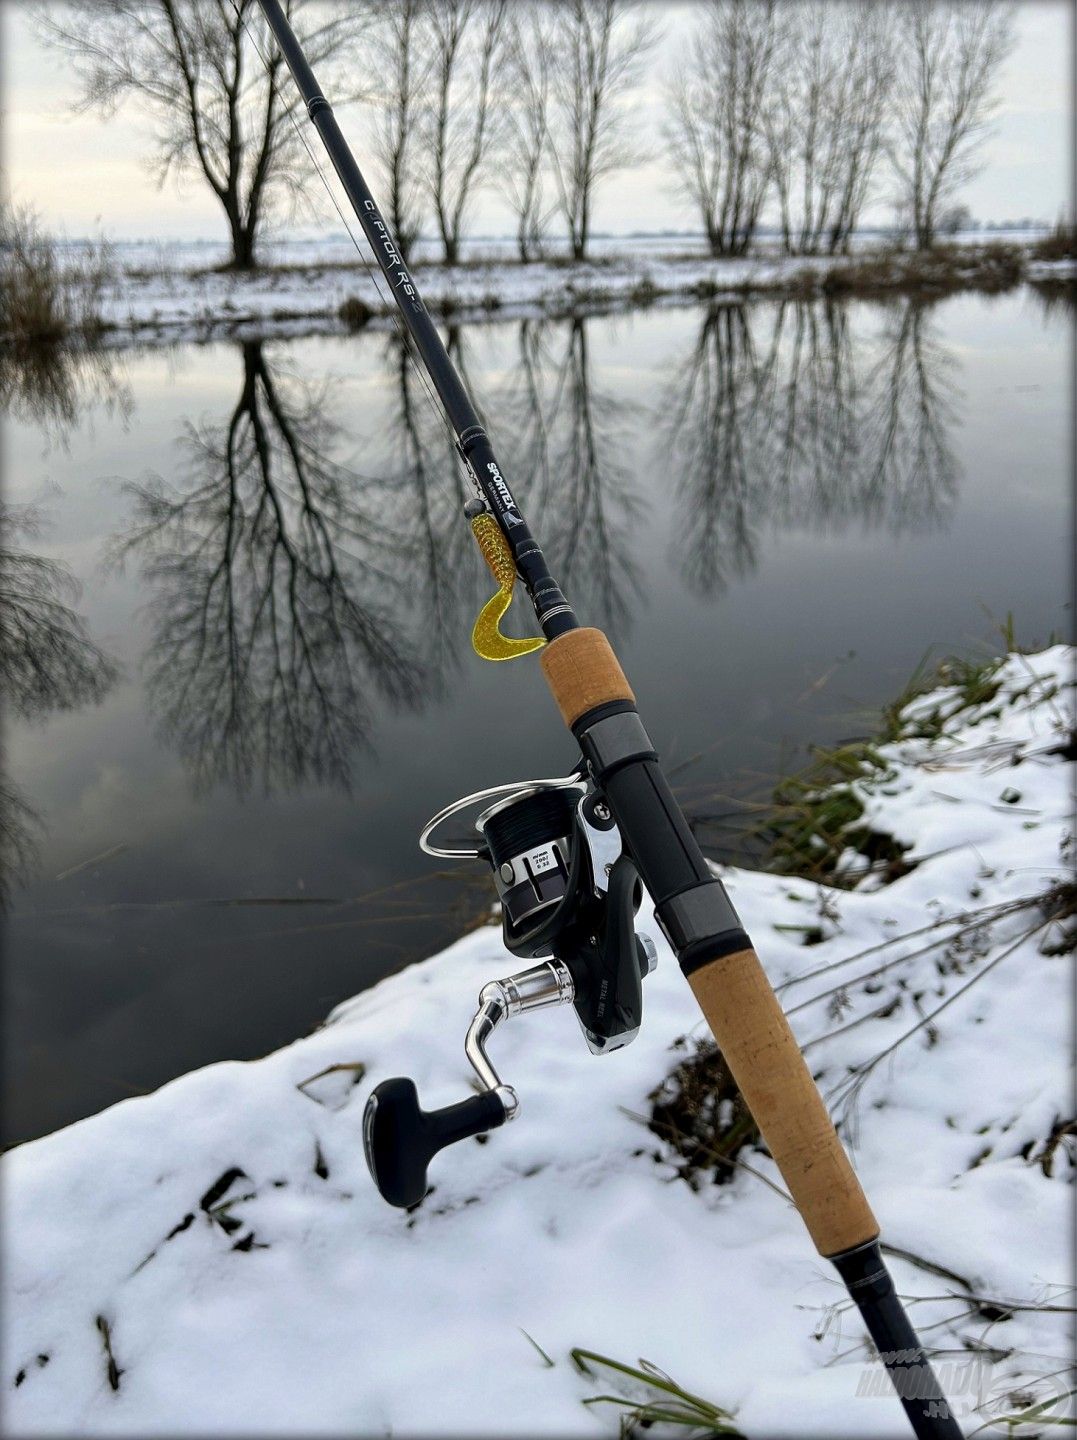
{"type": "Point", "coordinates": [585, 224]}
{"type": "Point", "coordinates": [243, 237]}
{"type": "Point", "coordinates": [243, 249]}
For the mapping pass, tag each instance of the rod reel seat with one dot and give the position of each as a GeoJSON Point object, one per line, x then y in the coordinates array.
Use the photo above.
{"type": "Point", "coordinates": [568, 893]}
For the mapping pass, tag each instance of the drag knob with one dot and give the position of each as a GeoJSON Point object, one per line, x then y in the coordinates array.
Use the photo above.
{"type": "Point", "coordinates": [400, 1138]}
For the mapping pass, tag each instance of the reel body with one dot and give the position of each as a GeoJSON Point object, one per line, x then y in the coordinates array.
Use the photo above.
{"type": "Point", "coordinates": [569, 897]}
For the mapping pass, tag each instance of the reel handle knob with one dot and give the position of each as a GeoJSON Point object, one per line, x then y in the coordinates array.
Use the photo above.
{"type": "Point", "coordinates": [400, 1138]}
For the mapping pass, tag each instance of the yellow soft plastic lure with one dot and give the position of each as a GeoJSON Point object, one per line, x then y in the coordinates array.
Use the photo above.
{"type": "Point", "coordinates": [486, 637]}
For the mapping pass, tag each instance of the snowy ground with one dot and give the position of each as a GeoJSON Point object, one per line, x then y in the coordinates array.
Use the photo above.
{"type": "Point", "coordinates": [212, 1259]}
{"type": "Point", "coordinates": [173, 292]}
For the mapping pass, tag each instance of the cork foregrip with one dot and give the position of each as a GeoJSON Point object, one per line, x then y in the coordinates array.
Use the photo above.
{"type": "Point", "coordinates": [762, 1053]}
{"type": "Point", "coordinates": [582, 672]}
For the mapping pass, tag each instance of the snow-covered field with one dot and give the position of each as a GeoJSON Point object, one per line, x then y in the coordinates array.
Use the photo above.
{"type": "Point", "coordinates": [321, 246]}
{"type": "Point", "coordinates": [213, 1259]}
{"type": "Point", "coordinates": [173, 292]}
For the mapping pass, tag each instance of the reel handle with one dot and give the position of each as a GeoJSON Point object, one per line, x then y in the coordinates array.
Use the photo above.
{"type": "Point", "coordinates": [400, 1138]}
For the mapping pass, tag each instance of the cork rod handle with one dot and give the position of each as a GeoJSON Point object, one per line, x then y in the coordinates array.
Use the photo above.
{"type": "Point", "coordinates": [736, 997]}
{"type": "Point", "coordinates": [765, 1061]}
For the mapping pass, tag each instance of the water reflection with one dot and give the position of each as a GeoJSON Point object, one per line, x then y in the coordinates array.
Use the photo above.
{"type": "Point", "coordinates": [562, 440]}
{"type": "Point", "coordinates": [782, 415]}
{"type": "Point", "coordinates": [48, 663]}
{"type": "Point", "coordinates": [279, 583]}
{"type": "Point", "coordinates": [293, 594]}
{"type": "Point", "coordinates": [600, 389]}
{"type": "Point", "coordinates": [52, 385]}
{"type": "Point", "coordinates": [565, 440]}
{"type": "Point", "coordinates": [425, 493]}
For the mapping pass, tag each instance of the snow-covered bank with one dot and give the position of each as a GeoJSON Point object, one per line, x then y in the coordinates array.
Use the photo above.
{"type": "Point", "coordinates": [212, 1259]}
{"type": "Point", "coordinates": [166, 297]}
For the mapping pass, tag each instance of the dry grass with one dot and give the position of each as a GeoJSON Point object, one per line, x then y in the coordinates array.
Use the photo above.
{"type": "Point", "coordinates": [654, 1398]}
{"type": "Point", "coordinates": [354, 312]}
{"type": "Point", "coordinates": [44, 297]}
{"type": "Point", "coordinates": [993, 268]}
{"type": "Point", "coordinates": [700, 1114]}
{"type": "Point", "coordinates": [1060, 244]}
{"type": "Point", "coordinates": [815, 817]}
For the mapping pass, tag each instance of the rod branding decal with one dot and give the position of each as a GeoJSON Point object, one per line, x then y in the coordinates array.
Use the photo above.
{"type": "Point", "coordinates": [403, 280]}
{"type": "Point", "coordinates": [509, 513]}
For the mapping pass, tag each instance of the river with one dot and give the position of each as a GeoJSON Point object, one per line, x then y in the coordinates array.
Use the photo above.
{"type": "Point", "coordinates": [222, 747]}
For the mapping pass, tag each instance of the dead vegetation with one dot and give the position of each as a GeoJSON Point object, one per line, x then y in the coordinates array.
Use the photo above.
{"type": "Point", "coordinates": [699, 1113]}
{"type": "Point", "coordinates": [354, 312]}
{"type": "Point", "coordinates": [45, 295]}
{"type": "Point", "coordinates": [992, 269]}
{"type": "Point", "coordinates": [1060, 244]}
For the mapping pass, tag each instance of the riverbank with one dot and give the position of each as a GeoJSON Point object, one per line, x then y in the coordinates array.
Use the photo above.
{"type": "Point", "coordinates": [169, 296]}
{"type": "Point", "coordinates": [212, 1258]}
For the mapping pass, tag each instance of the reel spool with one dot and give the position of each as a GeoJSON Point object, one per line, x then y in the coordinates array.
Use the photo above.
{"type": "Point", "coordinates": [567, 892]}
{"type": "Point", "coordinates": [528, 837]}
{"type": "Point", "coordinates": [529, 841]}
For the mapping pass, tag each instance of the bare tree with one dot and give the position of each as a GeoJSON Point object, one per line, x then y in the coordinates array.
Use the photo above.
{"type": "Point", "coordinates": [911, 472]}
{"type": "Point", "coordinates": [52, 386]}
{"type": "Point", "coordinates": [468, 38]}
{"type": "Point", "coordinates": [715, 119]}
{"type": "Point", "coordinates": [402, 47]}
{"type": "Point", "coordinates": [598, 59]}
{"type": "Point", "coordinates": [20, 829]}
{"type": "Point", "coordinates": [221, 111]}
{"type": "Point", "coordinates": [529, 54]}
{"type": "Point", "coordinates": [825, 117]}
{"type": "Point", "coordinates": [949, 57]}
{"type": "Point", "coordinates": [597, 508]}
{"type": "Point", "coordinates": [709, 415]}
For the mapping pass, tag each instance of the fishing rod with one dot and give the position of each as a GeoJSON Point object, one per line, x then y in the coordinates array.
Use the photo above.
{"type": "Point", "coordinates": [569, 858]}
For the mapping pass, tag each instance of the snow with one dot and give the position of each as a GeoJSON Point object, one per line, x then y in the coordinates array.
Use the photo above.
{"type": "Point", "coordinates": [173, 292]}
{"type": "Point", "coordinates": [222, 1241]}
{"type": "Point", "coordinates": [168, 300]}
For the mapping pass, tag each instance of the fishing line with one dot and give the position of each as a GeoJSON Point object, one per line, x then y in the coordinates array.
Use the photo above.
{"type": "Point", "coordinates": [387, 301]}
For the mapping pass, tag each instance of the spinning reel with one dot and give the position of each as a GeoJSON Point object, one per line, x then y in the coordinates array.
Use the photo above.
{"type": "Point", "coordinates": [568, 892]}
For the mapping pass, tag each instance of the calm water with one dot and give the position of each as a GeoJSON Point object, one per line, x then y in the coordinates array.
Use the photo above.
{"type": "Point", "coordinates": [774, 510]}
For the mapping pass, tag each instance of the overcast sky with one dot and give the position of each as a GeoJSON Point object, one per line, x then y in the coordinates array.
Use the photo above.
{"type": "Point", "coordinates": [83, 174]}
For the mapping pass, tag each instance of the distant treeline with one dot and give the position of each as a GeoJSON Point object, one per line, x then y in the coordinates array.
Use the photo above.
{"type": "Point", "coordinates": [803, 108]}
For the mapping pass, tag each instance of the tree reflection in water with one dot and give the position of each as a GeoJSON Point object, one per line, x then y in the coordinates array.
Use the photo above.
{"type": "Point", "coordinates": [426, 492]}
{"type": "Point", "coordinates": [782, 416]}
{"type": "Point", "coordinates": [565, 443]}
{"type": "Point", "coordinates": [293, 592]}
{"type": "Point", "coordinates": [52, 385]}
{"type": "Point", "coordinates": [48, 663]}
{"type": "Point", "coordinates": [280, 582]}
{"type": "Point", "coordinates": [561, 443]}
